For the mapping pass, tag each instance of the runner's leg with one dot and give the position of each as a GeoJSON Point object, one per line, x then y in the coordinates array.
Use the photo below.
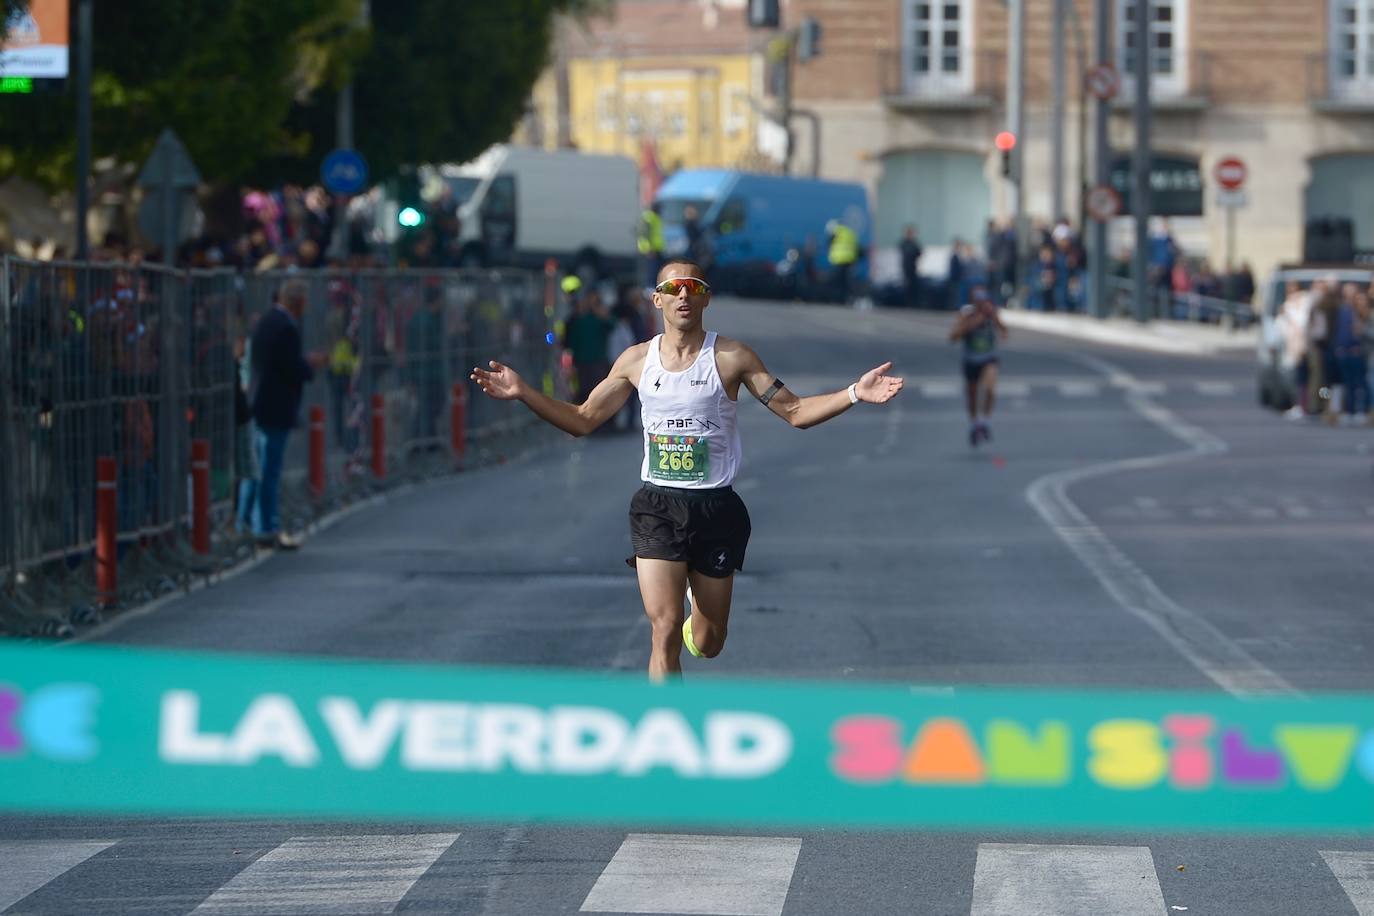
{"type": "Point", "coordinates": [662, 585]}
{"type": "Point", "coordinates": [710, 611]}
{"type": "Point", "coordinates": [988, 382]}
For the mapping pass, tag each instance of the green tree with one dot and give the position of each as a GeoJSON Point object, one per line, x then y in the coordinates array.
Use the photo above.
{"type": "Point", "coordinates": [441, 81]}
{"type": "Point", "coordinates": [251, 86]}
{"type": "Point", "coordinates": [223, 74]}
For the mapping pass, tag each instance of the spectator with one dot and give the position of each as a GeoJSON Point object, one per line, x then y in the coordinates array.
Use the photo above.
{"type": "Point", "coordinates": [586, 336]}
{"type": "Point", "coordinates": [911, 259]}
{"type": "Point", "coordinates": [425, 369]}
{"type": "Point", "coordinates": [623, 336]}
{"type": "Point", "coordinates": [1348, 348]}
{"type": "Point", "coordinates": [1044, 281]}
{"type": "Point", "coordinates": [279, 372]}
{"type": "Point", "coordinates": [954, 277]}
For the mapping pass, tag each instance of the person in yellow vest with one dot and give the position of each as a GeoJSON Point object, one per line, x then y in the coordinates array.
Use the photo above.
{"type": "Point", "coordinates": [844, 251]}
{"type": "Point", "coordinates": [650, 242]}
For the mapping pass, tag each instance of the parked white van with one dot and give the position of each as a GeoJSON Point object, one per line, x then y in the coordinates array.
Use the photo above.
{"type": "Point", "coordinates": [520, 206]}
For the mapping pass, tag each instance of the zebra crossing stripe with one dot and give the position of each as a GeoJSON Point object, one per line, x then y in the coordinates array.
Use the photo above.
{"type": "Point", "coordinates": [1017, 879]}
{"type": "Point", "coordinates": [1078, 389]}
{"type": "Point", "coordinates": [701, 875]}
{"type": "Point", "coordinates": [940, 390]}
{"type": "Point", "coordinates": [1013, 389]}
{"type": "Point", "coordinates": [27, 865]}
{"type": "Point", "coordinates": [306, 876]}
{"type": "Point", "coordinates": [1355, 871]}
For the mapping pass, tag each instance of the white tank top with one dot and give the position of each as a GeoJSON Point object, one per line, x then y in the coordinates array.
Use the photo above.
{"type": "Point", "coordinates": [690, 437]}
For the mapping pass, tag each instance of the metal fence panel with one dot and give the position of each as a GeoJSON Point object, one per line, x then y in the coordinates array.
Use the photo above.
{"type": "Point", "coordinates": [136, 361]}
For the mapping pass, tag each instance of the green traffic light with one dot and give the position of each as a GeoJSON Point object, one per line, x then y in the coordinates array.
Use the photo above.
{"type": "Point", "coordinates": [410, 217]}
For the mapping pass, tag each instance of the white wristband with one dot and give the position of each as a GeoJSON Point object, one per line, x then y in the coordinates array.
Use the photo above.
{"type": "Point", "coordinates": [853, 395]}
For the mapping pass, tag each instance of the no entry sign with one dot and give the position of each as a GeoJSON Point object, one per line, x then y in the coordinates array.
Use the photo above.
{"type": "Point", "coordinates": [1230, 173]}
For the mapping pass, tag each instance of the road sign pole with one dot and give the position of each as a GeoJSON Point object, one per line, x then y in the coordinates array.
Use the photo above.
{"type": "Point", "coordinates": [85, 38]}
{"type": "Point", "coordinates": [1140, 194]}
{"type": "Point", "coordinates": [1097, 258]}
{"type": "Point", "coordinates": [1230, 240]}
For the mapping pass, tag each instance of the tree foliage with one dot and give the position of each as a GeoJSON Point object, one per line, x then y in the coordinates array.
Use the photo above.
{"type": "Point", "coordinates": [251, 87]}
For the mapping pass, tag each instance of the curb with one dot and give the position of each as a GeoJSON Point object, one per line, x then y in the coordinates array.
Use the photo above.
{"type": "Point", "coordinates": [1156, 337]}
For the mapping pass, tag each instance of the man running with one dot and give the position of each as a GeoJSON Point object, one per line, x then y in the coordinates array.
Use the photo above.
{"type": "Point", "coordinates": [688, 527]}
{"type": "Point", "coordinates": [979, 327]}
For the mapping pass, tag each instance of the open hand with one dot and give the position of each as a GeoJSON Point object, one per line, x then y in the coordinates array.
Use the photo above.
{"type": "Point", "coordinates": [875, 387]}
{"type": "Point", "coordinates": [502, 382]}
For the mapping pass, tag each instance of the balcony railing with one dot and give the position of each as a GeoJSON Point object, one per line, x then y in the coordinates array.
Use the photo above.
{"type": "Point", "coordinates": [1327, 90]}
{"type": "Point", "coordinates": [980, 79]}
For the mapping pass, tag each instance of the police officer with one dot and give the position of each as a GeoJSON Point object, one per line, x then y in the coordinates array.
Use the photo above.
{"type": "Point", "coordinates": [650, 242]}
{"type": "Point", "coordinates": [844, 251]}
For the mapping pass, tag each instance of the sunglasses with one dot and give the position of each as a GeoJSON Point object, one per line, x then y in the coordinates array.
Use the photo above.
{"type": "Point", "coordinates": [693, 286]}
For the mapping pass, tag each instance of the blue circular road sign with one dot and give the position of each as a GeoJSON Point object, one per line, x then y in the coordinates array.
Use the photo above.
{"type": "Point", "coordinates": [344, 171]}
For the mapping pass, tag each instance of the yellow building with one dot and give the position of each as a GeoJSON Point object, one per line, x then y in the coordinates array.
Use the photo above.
{"type": "Point", "coordinates": [686, 75]}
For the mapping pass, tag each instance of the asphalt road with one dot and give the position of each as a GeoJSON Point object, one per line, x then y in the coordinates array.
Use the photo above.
{"type": "Point", "coordinates": [1217, 547]}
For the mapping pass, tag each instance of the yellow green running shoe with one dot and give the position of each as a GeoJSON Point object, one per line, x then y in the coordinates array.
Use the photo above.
{"type": "Point", "coordinates": [687, 637]}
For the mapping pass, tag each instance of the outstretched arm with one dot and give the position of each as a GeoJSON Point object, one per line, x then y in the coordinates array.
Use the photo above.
{"type": "Point", "coordinates": [505, 384]}
{"type": "Point", "coordinates": [873, 386]}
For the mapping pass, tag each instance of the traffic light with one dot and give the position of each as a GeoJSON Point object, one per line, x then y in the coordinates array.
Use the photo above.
{"type": "Point", "coordinates": [808, 39]}
{"type": "Point", "coordinates": [763, 14]}
{"type": "Point", "coordinates": [410, 208]}
{"type": "Point", "coordinates": [1006, 143]}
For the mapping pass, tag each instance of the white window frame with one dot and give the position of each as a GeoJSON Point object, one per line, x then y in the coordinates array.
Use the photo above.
{"type": "Point", "coordinates": [936, 82]}
{"type": "Point", "coordinates": [1164, 86]}
{"type": "Point", "coordinates": [1359, 85]}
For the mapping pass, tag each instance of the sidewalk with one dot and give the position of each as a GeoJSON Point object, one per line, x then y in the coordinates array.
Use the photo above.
{"type": "Point", "coordinates": [1183, 337]}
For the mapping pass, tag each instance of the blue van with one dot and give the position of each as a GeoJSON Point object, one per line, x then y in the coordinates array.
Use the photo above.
{"type": "Point", "coordinates": [765, 234]}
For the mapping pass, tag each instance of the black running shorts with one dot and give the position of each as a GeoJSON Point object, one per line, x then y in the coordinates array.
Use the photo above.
{"type": "Point", "coordinates": [709, 529]}
{"type": "Point", "coordinates": [973, 372]}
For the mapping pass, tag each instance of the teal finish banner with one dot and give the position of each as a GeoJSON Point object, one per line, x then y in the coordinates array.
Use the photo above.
{"type": "Point", "coordinates": [150, 732]}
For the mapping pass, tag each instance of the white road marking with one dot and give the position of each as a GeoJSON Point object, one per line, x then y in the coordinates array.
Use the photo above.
{"type": "Point", "coordinates": [941, 389]}
{"type": "Point", "coordinates": [1013, 389]}
{"type": "Point", "coordinates": [1355, 871]}
{"type": "Point", "coordinates": [707, 875]}
{"type": "Point", "coordinates": [27, 865]}
{"type": "Point", "coordinates": [1019, 880]}
{"type": "Point", "coordinates": [329, 874]}
{"type": "Point", "coordinates": [1215, 389]}
{"type": "Point", "coordinates": [1206, 647]}
{"type": "Point", "coordinates": [1079, 389]}
{"type": "Point", "coordinates": [1149, 389]}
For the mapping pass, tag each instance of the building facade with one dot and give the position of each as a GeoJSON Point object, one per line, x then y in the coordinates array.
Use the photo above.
{"type": "Point", "coordinates": [682, 77]}
{"type": "Point", "coordinates": [912, 94]}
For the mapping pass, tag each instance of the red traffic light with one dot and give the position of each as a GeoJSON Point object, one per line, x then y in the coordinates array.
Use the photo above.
{"type": "Point", "coordinates": [1006, 141]}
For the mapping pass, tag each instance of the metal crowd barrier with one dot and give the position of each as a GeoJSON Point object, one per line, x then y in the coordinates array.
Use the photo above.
{"type": "Point", "coordinates": [135, 363]}
{"type": "Point", "coordinates": [1174, 306]}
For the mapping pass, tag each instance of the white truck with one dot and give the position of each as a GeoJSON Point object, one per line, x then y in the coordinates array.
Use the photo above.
{"type": "Point", "coordinates": [521, 206]}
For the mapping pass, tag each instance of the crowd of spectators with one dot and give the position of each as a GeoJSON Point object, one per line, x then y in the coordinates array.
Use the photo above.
{"type": "Point", "coordinates": [1327, 337]}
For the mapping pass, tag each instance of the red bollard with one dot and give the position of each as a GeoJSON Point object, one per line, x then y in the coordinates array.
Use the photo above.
{"type": "Point", "coordinates": [317, 451]}
{"type": "Point", "coordinates": [106, 527]}
{"type": "Point", "coordinates": [200, 495]}
{"type": "Point", "coordinates": [378, 436]}
{"type": "Point", "coordinates": [458, 420]}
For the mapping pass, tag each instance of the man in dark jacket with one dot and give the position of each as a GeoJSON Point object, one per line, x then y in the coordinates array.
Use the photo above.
{"type": "Point", "coordinates": [279, 372]}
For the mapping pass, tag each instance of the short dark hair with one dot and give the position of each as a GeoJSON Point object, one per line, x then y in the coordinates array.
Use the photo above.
{"type": "Point", "coordinates": [680, 262]}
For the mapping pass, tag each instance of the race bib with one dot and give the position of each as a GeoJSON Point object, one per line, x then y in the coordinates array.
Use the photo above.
{"type": "Point", "coordinates": [679, 459]}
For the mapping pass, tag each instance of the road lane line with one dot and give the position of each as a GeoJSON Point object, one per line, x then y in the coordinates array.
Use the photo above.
{"type": "Point", "coordinates": [1013, 389]}
{"type": "Point", "coordinates": [1079, 389]}
{"type": "Point", "coordinates": [309, 875]}
{"type": "Point", "coordinates": [1021, 879]}
{"type": "Point", "coordinates": [701, 875]}
{"type": "Point", "coordinates": [940, 390]}
{"type": "Point", "coordinates": [27, 865]}
{"type": "Point", "coordinates": [1215, 389]}
{"type": "Point", "coordinates": [1355, 871]}
{"type": "Point", "coordinates": [1209, 650]}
